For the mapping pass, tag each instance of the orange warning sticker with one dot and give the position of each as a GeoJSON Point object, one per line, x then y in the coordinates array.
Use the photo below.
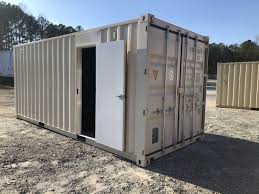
{"type": "Point", "coordinates": [155, 74]}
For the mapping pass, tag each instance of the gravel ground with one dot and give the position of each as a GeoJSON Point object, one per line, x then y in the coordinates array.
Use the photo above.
{"type": "Point", "coordinates": [35, 160]}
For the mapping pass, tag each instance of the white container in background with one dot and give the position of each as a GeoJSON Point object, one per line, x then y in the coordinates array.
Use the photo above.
{"type": "Point", "coordinates": [6, 64]}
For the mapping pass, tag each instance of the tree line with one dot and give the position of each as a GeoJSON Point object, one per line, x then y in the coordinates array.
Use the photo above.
{"type": "Point", "coordinates": [17, 26]}
{"type": "Point", "coordinates": [247, 51]}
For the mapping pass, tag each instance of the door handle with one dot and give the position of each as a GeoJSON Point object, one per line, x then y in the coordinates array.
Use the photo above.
{"type": "Point", "coordinates": [121, 96]}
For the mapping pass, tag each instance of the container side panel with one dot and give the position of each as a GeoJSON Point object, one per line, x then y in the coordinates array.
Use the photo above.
{"type": "Point", "coordinates": [230, 84]}
{"type": "Point", "coordinates": [66, 91]}
{"type": "Point", "coordinates": [247, 85]}
{"type": "Point", "coordinates": [253, 85]}
{"type": "Point", "coordinates": [72, 89]}
{"type": "Point", "coordinates": [134, 59]}
{"type": "Point", "coordinates": [18, 80]}
{"type": "Point", "coordinates": [41, 73]}
{"type": "Point", "coordinates": [55, 80]}
{"type": "Point", "coordinates": [241, 85]}
{"type": "Point", "coordinates": [236, 84]}
{"type": "Point", "coordinates": [140, 106]}
{"type": "Point", "coordinates": [219, 84]}
{"type": "Point", "coordinates": [225, 84]}
{"type": "Point", "coordinates": [78, 107]}
{"type": "Point", "coordinates": [131, 100]}
{"type": "Point", "coordinates": [257, 89]}
{"type": "Point", "coordinates": [45, 82]}
{"type": "Point", "coordinates": [60, 83]}
{"type": "Point", "coordinates": [23, 80]}
{"type": "Point", "coordinates": [25, 55]}
{"type": "Point", "coordinates": [49, 85]}
{"type": "Point", "coordinates": [15, 82]}
{"type": "Point", "coordinates": [27, 106]}
{"type": "Point", "coordinates": [37, 81]}
{"type": "Point", "coordinates": [27, 81]}
{"type": "Point", "coordinates": [32, 81]}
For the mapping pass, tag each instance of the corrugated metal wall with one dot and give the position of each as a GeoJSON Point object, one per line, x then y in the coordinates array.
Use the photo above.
{"type": "Point", "coordinates": [238, 85]}
{"type": "Point", "coordinates": [49, 72]}
{"type": "Point", "coordinates": [45, 81]}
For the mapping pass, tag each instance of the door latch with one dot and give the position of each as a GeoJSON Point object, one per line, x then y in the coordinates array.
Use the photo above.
{"type": "Point", "coordinates": [122, 96]}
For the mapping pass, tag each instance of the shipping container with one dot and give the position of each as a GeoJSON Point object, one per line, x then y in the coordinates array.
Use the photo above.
{"type": "Point", "coordinates": [6, 68]}
{"type": "Point", "coordinates": [6, 63]}
{"type": "Point", "coordinates": [238, 85]}
{"type": "Point", "coordinates": [136, 88]}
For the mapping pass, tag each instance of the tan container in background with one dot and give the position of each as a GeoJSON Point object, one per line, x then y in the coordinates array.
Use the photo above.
{"type": "Point", "coordinates": [238, 85]}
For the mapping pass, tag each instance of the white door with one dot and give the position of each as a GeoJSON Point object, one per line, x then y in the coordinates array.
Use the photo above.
{"type": "Point", "coordinates": [110, 94]}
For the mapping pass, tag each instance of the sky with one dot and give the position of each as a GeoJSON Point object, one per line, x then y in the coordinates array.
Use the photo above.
{"type": "Point", "coordinates": [226, 21]}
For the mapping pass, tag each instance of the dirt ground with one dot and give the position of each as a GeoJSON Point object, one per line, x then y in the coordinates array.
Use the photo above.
{"type": "Point", "coordinates": [35, 160]}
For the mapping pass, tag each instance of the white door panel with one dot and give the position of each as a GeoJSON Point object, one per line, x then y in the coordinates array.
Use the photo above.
{"type": "Point", "coordinates": [110, 90]}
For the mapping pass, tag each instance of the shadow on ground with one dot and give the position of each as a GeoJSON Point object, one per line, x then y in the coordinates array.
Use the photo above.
{"type": "Point", "coordinates": [219, 163]}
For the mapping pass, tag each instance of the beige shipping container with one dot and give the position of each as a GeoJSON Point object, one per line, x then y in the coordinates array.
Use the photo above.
{"type": "Point", "coordinates": [238, 85]}
{"type": "Point", "coordinates": [136, 88]}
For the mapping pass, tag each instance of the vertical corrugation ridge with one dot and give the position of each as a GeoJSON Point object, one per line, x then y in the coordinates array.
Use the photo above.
{"type": "Point", "coordinates": [69, 84]}
{"type": "Point", "coordinates": [64, 85]}
{"type": "Point", "coordinates": [230, 83]}
{"type": "Point", "coordinates": [15, 74]}
{"type": "Point", "coordinates": [47, 82]}
{"type": "Point", "coordinates": [36, 78]}
{"type": "Point", "coordinates": [29, 82]}
{"type": "Point", "coordinates": [257, 90]}
{"type": "Point", "coordinates": [253, 86]}
{"type": "Point", "coordinates": [58, 83]}
{"type": "Point", "coordinates": [40, 86]}
{"type": "Point", "coordinates": [53, 86]}
{"type": "Point", "coordinates": [24, 81]}
{"type": "Point", "coordinates": [241, 85]}
{"type": "Point", "coordinates": [32, 82]}
{"type": "Point", "coordinates": [247, 84]}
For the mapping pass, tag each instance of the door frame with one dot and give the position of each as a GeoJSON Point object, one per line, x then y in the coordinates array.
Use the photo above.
{"type": "Point", "coordinates": [78, 86]}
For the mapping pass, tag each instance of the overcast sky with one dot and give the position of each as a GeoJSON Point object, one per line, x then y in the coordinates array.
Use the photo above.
{"type": "Point", "coordinates": [227, 21]}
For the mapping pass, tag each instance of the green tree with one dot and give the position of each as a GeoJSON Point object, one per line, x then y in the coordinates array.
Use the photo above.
{"type": "Point", "coordinates": [16, 26]}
